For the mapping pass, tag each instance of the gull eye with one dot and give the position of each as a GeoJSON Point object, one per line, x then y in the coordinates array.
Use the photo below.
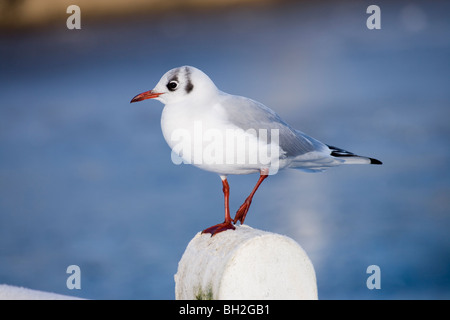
{"type": "Point", "coordinates": [172, 85]}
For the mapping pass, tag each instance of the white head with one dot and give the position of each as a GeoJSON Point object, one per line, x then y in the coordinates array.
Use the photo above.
{"type": "Point", "coordinates": [180, 84]}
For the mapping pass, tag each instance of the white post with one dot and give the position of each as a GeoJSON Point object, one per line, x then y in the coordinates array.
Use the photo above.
{"type": "Point", "coordinates": [244, 264]}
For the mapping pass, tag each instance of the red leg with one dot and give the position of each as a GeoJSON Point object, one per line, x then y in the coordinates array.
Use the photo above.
{"type": "Point", "coordinates": [242, 211]}
{"type": "Point", "coordinates": [227, 223]}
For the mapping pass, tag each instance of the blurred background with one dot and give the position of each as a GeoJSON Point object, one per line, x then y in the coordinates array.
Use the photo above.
{"type": "Point", "coordinates": [86, 178]}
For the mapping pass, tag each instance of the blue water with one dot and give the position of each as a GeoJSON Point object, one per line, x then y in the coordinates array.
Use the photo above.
{"type": "Point", "coordinates": [86, 178]}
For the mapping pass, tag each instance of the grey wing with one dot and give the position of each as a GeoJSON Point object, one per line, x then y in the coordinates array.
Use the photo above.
{"type": "Point", "coordinates": [249, 114]}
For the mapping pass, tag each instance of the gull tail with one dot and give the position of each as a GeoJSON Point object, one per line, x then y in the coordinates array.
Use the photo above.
{"type": "Point", "coordinates": [351, 158]}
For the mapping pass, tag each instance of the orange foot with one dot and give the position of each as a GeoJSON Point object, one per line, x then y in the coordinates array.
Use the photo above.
{"type": "Point", "coordinates": [219, 228]}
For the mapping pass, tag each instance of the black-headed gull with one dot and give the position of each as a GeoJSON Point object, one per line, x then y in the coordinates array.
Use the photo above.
{"type": "Point", "coordinates": [229, 134]}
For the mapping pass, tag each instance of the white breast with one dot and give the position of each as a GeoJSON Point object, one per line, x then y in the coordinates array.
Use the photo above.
{"type": "Point", "coordinates": [204, 137]}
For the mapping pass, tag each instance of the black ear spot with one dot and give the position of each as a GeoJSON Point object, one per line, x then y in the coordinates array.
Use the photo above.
{"type": "Point", "coordinates": [189, 86]}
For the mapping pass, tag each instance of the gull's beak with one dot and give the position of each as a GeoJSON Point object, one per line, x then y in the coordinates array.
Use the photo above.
{"type": "Point", "coordinates": [146, 95]}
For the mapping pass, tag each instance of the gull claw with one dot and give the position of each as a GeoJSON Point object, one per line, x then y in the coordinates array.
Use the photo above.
{"type": "Point", "coordinates": [219, 228]}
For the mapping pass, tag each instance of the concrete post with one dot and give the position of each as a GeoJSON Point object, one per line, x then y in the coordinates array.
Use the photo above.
{"type": "Point", "coordinates": [245, 263]}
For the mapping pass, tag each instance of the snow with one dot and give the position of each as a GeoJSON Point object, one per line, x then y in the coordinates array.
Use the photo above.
{"type": "Point", "coordinates": [8, 292]}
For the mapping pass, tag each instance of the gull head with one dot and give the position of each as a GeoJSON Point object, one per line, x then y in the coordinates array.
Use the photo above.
{"type": "Point", "coordinates": [180, 84]}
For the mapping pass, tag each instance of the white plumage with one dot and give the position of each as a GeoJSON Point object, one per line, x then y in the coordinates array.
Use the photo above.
{"type": "Point", "coordinates": [229, 134]}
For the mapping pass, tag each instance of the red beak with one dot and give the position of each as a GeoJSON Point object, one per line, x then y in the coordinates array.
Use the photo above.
{"type": "Point", "coordinates": [145, 95]}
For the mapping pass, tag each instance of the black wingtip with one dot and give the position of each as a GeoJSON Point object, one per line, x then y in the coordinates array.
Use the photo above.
{"type": "Point", "coordinates": [375, 161]}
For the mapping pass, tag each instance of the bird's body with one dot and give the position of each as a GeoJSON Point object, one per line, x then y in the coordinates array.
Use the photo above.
{"type": "Point", "coordinates": [229, 134]}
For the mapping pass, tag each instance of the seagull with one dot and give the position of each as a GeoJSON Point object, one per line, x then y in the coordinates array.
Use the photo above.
{"type": "Point", "coordinates": [233, 135]}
